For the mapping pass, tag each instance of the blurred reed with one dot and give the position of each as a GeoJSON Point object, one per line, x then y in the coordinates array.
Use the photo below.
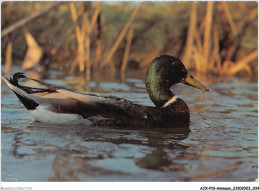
{"type": "Point", "coordinates": [229, 18]}
{"type": "Point", "coordinates": [83, 34]}
{"type": "Point", "coordinates": [8, 59]}
{"type": "Point", "coordinates": [96, 40]}
{"type": "Point", "coordinates": [191, 32]}
{"type": "Point", "coordinates": [118, 40]}
{"type": "Point", "coordinates": [83, 60]}
{"type": "Point", "coordinates": [127, 50]}
{"type": "Point", "coordinates": [206, 55]}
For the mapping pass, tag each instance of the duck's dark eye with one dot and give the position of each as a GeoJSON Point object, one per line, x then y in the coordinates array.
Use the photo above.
{"type": "Point", "coordinates": [184, 71]}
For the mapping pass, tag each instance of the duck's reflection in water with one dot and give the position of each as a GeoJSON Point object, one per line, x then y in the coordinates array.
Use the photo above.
{"type": "Point", "coordinates": [87, 153]}
{"type": "Point", "coordinates": [163, 142]}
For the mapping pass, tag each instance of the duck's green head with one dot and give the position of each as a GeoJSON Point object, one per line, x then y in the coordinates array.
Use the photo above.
{"type": "Point", "coordinates": [162, 73]}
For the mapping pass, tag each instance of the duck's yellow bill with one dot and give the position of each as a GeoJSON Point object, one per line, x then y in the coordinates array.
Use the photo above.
{"type": "Point", "coordinates": [191, 81]}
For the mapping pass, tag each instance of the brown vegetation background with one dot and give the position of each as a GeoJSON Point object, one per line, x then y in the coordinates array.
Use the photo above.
{"type": "Point", "coordinates": [89, 37]}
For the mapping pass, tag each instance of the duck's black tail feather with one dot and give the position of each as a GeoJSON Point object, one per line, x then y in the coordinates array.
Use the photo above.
{"type": "Point", "coordinates": [19, 91]}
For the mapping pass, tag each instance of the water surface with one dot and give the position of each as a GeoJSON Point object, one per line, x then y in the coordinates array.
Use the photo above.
{"type": "Point", "coordinates": [221, 145]}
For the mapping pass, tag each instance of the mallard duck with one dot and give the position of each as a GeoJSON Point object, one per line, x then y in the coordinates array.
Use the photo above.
{"type": "Point", "coordinates": [53, 104]}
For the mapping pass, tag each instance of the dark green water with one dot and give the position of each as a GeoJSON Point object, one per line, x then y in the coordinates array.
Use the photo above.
{"type": "Point", "coordinates": [222, 144]}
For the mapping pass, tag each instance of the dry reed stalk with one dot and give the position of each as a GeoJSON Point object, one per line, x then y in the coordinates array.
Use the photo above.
{"type": "Point", "coordinates": [127, 49]}
{"type": "Point", "coordinates": [73, 11]}
{"type": "Point", "coordinates": [80, 40]}
{"type": "Point", "coordinates": [83, 39]}
{"type": "Point", "coordinates": [73, 66]}
{"type": "Point", "coordinates": [120, 37]}
{"type": "Point", "coordinates": [87, 46]}
{"type": "Point", "coordinates": [81, 55]}
{"type": "Point", "coordinates": [84, 25]}
{"type": "Point", "coordinates": [216, 50]}
{"type": "Point", "coordinates": [90, 27]}
{"type": "Point", "coordinates": [252, 14]}
{"type": "Point", "coordinates": [8, 59]}
{"type": "Point", "coordinates": [229, 18]}
{"type": "Point", "coordinates": [243, 63]}
{"type": "Point", "coordinates": [206, 42]}
{"type": "Point", "coordinates": [197, 51]}
{"type": "Point", "coordinates": [82, 49]}
{"type": "Point", "coordinates": [213, 53]}
{"type": "Point", "coordinates": [202, 25]}
{"type": "Point", "coordinates": [80, 11]}
{"type": "Point", "coordinates": [190, 37]}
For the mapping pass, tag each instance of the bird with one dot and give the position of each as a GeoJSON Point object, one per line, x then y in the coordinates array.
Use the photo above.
{"type": "Point", "coordinates": [54, 104]}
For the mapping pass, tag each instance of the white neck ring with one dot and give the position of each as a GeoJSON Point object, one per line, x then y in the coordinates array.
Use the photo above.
{"type": "Point", "coordinates": [173, 99]}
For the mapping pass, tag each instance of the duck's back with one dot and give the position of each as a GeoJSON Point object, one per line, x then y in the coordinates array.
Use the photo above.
{"type": "Point", "coordinates": [89, 105]}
